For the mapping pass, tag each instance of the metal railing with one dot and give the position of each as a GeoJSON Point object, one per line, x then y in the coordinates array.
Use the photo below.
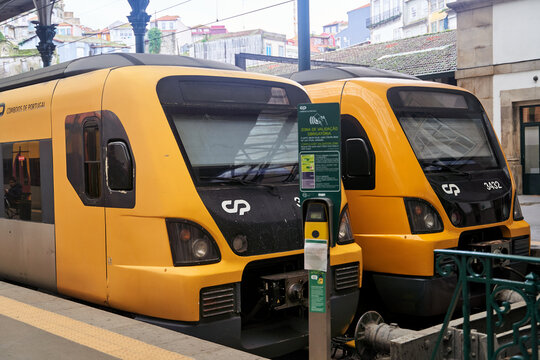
{"type": "Point", "coordinates": [386, 16]}
{"type": "Point", "coordinates": [477, 268]}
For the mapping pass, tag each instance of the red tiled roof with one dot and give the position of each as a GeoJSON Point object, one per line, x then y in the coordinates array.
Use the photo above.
{"type": "Point", "coordinates": [421, 55]}
{"type": "Point", "coordinates": [361, 7]}
{"type": "Point", "coordinates": [335, 23]}
{"type": "Point", "coordinates": [168, 18]}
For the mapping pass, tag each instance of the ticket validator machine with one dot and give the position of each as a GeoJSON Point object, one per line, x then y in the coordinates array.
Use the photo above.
{"type": "Point", "coordinates": [319, 159]}
{"type": "Point", "coordinates": [317, 214]}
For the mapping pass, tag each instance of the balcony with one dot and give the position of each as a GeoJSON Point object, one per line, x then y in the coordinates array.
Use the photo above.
{"type": "Point", "coordinates": [383, 18]}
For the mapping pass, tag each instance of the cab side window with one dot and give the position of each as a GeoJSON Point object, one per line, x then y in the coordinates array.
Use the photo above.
{"type": "Point", "coordinates": [92, 159]}
{"type": "Point", "coordinates": [358, 157]}
{"type": "Point", "coordinates": [99, 160]}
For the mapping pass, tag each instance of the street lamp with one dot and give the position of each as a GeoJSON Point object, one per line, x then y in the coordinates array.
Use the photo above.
{"type": "Point", "coordinates": [45, 30]}
{"type": "Point", "coordinates": [138, 19]}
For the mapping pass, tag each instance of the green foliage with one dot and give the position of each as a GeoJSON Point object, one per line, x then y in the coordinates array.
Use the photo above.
{"type": "Point", "coordinates": [27, 52]}
{"type": "Point", "coordinates": [154, 41]}
{"type": "Point", "coordinates": [2, 37]}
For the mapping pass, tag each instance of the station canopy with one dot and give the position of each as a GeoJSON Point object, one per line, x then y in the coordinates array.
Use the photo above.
{"type": "Point", "coordinates": [12, 8]}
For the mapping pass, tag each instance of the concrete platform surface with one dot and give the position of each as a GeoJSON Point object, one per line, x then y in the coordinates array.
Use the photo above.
{"type": "Point", "coordinates": [530, 206]}
{"type": "Point", "coordinates": [35, 325]}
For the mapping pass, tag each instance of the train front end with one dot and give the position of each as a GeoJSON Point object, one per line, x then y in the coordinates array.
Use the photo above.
{"type": "Point", "coordinates": [217, 158]}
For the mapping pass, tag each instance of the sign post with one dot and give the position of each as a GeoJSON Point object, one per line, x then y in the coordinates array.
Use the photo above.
{"type": "Point", "coordinates": [320, 193]}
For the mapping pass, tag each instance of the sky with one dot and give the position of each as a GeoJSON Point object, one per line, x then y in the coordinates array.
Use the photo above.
{"type": "Point", "coordinates": [98, 14]}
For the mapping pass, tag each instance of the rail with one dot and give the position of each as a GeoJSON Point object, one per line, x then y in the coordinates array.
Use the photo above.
{"type": "Point", "coordinates": [477, 268]}
{"type": "Point", "coordinates": [385, 17]}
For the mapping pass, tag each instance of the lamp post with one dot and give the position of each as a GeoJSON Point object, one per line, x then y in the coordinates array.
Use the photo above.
{"type": "Point", "coordinates": [138, 19]}
{"type": "Point", "coordinates": [304, 46]}
{"type": "Point", "coordinates": [45, 30]}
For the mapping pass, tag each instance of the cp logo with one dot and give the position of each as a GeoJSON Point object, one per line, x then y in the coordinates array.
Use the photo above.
{"type": "Point", "coordinates": [238, 206]}
{"type": "Point", "coordinates": [451, 189]}
{"type": "Point", "coordinates": [2, 108]}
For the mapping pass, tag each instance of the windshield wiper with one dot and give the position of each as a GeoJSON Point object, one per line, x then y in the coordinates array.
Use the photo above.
{"type": "Point", "coordinates": [449, 168]}
{"type": "Point", "coordinates": [236, 180]}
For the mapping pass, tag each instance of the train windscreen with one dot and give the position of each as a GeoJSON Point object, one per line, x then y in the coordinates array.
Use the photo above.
{"type": "Point", "coordinates": [259, 146]}
{"type": "Point", "coordinates": [235, 130]}
{"type": "Point", "coordinates": [447, 131]}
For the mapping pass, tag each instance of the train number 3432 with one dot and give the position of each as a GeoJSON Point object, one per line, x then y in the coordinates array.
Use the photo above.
{"type": "Point", "coordinates": [492, 185]}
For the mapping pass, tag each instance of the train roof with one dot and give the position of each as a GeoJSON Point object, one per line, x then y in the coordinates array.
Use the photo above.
{"type": "Point", "coordinates": [321, 75]}
{"type": "Point", "coordinates": [92, 63]}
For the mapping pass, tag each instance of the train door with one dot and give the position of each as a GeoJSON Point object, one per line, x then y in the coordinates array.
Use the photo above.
{"type": "Point", "coordinates": [530, 149]}
{"type": "Point", "coordinates": [77, 129]}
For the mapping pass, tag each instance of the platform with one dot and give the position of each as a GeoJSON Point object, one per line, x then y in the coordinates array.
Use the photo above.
{"type": "Point", "coordinates": [35, 325]}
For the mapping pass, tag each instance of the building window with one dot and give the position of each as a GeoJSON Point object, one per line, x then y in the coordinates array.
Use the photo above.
{"type": "Point", "coordinates": [412, 12]}
{"type": "Point", "coordinates": [437, 4]}
{"type": "Point", "coordinates": [376, 7]}
{"type": "Point", "coordinates": [92, 159]}
{"type": "Point", "coordinates": [281, 50]}
{"type": "Point", "coordinates": [171, 25]}
{"type": "Point", "coordinates": [268, 49]}
{"type": "Point", "coordinates": [433, 27]}
{"type": "Point", "coordinates": [443, 24]}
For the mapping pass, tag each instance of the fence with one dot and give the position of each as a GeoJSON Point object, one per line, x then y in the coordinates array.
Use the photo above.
{"type": "Point", "coordinates": [478, 268]}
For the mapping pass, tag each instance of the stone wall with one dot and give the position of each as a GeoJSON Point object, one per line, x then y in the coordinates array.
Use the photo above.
{"type": "Point", "coordinates": [475, 52]}
{"type": "Point", "coordinates": [502, 88]}
{"type": "Point", "coordinates": [14, 61]}
{"type": "Point", "coordinates": [10, 66]}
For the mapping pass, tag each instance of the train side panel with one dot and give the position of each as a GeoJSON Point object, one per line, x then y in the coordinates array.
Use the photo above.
{"type": "Point", "coordinates": [27, 236]}
{"type": "Point", "coordinates": [80, 229]}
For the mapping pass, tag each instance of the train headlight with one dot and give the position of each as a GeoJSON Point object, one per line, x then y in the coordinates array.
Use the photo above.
{"type": "Point", "coordinates": [429, 221]}
{"type": "Point", "coordinates": [518, 215]}
{"type": "Point", "coordinates": [423, 218]}
{"type": "Point", "coordinates": [200, 248]}
{"type": "Point", "coordinates": [345, 234]}
{"type": "Point", "coordinates": [191, 244]}
{"type": "Point", "coordinates": [240, 243]}
{"type": "Point", "coordinates": [455, 217]}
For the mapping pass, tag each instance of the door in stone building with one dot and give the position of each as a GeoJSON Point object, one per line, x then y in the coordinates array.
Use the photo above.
{"type": "Point", "coordinates": [530, 149]}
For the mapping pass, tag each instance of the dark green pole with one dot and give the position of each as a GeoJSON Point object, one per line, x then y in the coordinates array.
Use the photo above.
{"type": "Point", "coordinates": [45, 30]}
{"type": "Point", "coordinates": [45, 46]}
{"type": "Point", "coordinates": [304, 60]}
{"type": "Point", "coordinates": [138, 19]}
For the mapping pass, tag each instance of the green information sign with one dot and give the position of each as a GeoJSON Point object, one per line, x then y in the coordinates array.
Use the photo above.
{"type": "Point", "coordinates": [317, 291]}
{"type": "Point", "coordinates": [319, 133]}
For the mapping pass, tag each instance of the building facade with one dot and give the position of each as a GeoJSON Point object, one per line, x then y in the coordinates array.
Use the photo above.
{"type": "Point", "coordinates": [396, 19]}
{"type": "Point", "coordinates": [498, 59]}
{"type": "Point", "coordinates": [175, 36]}
{"type": "Point", "coordinates": [13, 61]}
{"type": "Point", "coordinates": [74, 47]}
{"type": "Point", "coordinates": [21, 27]}
{"type": "Point", "coordinates": [335, 27]}
{"type": "Point", "coordinates": [356, 32]}
{"type": "Point", "coordinates": [223, 47]}
{"type": "Point", "coordinates": [121, 32]}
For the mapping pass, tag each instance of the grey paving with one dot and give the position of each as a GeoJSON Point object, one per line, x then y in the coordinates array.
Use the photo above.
{"type": "Point", "coordinates": [530, 206]}
{"type": "Point", "coordinates": [20, 341]}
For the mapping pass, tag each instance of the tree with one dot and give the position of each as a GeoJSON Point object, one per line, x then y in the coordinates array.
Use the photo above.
{"type": "Point", "coordinates": [2, 37]}
{"type": "Point", "coordinates": [154, 41]}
